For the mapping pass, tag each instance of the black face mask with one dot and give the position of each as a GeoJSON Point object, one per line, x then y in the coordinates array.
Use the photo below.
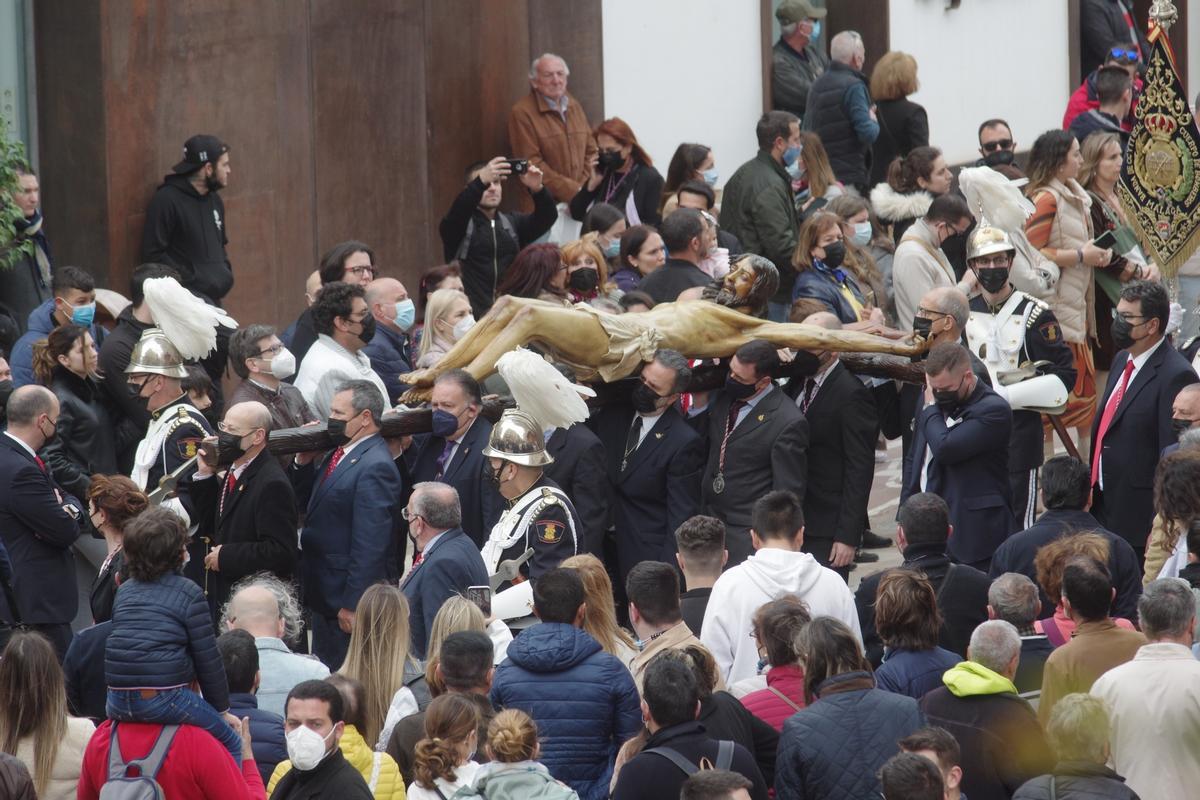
{"type": "Point", "coordinates": [53, 434]}
{"type": "Point", "coordinates": [229, 448]}
{"type": "Point", "coordinates": [998, 158]}
{"type": "Point", "coordinates": [1181, 425]}
{"type": "Point", "coordinates": [993, 279]}
{"type": "Point", "coordinates": [491, 475]}
{"type": "Point", "coordinates": [368, 330]}
{"type": "Point", "coordinates": [609, 161]}
{"type": "Point", "coordinates": [6, 388]}
{"type": "Point", "coordinates": [947, 399]}
{"type": "Point", "coordinates": [584, 280]}
{"type": "Point", "coordinates": [142, 401]}
{"type": "Point", "coordinates": [953, 242]}
{"type": "Point", "coordinates": [1122, 334]}
{"type": "Point", "coordinates": [923, 327]}
{"type": "Point", "coordinates": [645, 400]}
{"type": "Point", "coordinates": [738, 390]}
{"type": "Point", "coordinates": [337, 432]}
{"type": "Point", "coordinates": [835, 254]}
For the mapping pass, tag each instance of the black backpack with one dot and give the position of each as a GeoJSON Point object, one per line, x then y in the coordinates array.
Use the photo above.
{"type": "Point", "coordinates": [724, 758]}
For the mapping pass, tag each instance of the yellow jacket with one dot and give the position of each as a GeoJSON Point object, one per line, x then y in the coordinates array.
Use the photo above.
{"type": "Point", "coordinates": [379, 770]}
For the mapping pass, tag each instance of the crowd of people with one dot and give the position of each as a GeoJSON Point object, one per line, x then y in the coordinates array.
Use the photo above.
{"type": "Point", "coordinates": [653, 601]}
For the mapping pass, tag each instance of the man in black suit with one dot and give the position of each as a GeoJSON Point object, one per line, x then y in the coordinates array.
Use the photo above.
{"type": "Point", "coordinates": [843, 426]}
{"type": "Point", "coordinates": [922, 530]}
{"type": "Point", "coordinates": [38, 522]}
{"type": "Point", "coordinates": [1067, 496]}
{"type": "Point", "coordinates": [447, 561]}
{"type": "Point", "coordinates": [578, 469]}
{"type": "Point", "coordinates": [1133, 420]}
{"type": "Point", "coordinates": [453, 454]}
{"type": "Point", "coordinates": [654, 460]}
{"type": "Point", "coordinates": [757, 443]}
{"type": "Point", "coordinates": [683, 235]}
{"type": "Point", "coordinates": [960, 452]}
{"type": "Point", "coordinates": [250, 513]}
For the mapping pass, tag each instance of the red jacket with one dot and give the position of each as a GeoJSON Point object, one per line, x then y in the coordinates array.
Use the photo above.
{"type": "Point", "coordinates": [770, 707]}
{"type": "Point", "coordinates": [197, 765]}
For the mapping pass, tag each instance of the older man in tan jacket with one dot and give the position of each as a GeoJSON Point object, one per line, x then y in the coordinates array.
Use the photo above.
{"type": "Point", "coordinates": [549, 127]}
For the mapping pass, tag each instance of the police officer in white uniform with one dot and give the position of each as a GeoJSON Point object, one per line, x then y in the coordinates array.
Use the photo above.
{"type": "Point", "coordinates": [1020, 342]}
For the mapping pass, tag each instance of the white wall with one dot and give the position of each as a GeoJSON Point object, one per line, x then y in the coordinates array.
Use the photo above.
{"type": "Point", "coordinates": [685, 70]}
{"type": "Point", "coordinates": [1191, 81]}
{"type": "Point", "coordinates": [987, 58]}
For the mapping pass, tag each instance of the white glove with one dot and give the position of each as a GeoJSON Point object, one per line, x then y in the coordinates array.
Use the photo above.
{"type": "Point", "coordinates": [1175, 321]}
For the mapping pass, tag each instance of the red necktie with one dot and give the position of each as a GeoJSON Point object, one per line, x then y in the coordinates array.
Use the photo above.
{"type": "Point", "coordinates": [333, 462]}
{"type": "Point", "coordinates": [41, 464]}
{"type": "Point", "coordinates": [1110, 411]}
{"type": "Point", "coordinates": [416, 563]}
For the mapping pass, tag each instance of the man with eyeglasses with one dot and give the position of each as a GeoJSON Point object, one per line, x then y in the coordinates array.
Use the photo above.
{"type": "Point", "coordinates": [248, 513]}
{"type": "Point", "coordinates": [351, 262]}
{"type": "Point", "coordinates": [1087, 96]}
{"type": "Point", "coordinates": [1135, 424]}
{"type": "Point", "coordinates": [263, 363]}
{"type": "Point", "coordinates": [960, 453]}
{"type": "Point", "coordinates": [1011, 332]}
{"type": "Point", "coordinates": [344, 326]}
{"type": "Point", "coordinates": [38, 522]}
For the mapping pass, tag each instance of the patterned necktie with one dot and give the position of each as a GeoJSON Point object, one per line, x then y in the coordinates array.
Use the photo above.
{"type": "Point", "coordinates": [810, 392]}
{"type": "Point", "coordinates": [333, 462]}
{"type": "Point", "coordinates": [227, 490]}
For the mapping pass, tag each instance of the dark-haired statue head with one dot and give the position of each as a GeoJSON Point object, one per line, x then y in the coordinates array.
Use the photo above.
{"type": "Point", "coordinates": [751, 282]}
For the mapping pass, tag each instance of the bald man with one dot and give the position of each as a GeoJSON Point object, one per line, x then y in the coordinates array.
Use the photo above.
{"type": "Point", "coordinates": [843, 424]}
{"type": "Point", "coordinates": [255, 608]}
{"type": "Point", "coordinates": [38, 522]}
{"type": "Point", "coordinates": [394, 314]}
{"type": "Point", "coordinates": [1185, 412]}
{"type": "Point", "coordinates": [245, 505]}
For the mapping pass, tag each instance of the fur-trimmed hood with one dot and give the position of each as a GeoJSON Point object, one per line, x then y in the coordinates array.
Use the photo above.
{"type": "Point", "coordinates": [892, 206]}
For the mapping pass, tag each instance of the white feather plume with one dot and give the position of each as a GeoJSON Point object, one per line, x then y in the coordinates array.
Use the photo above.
{"type": "Point", "coordinates": [541, 391]}
{"type": "Point", "coordinates": [999, 199]}
{"type": "Point", "coordinates": [188, 322]}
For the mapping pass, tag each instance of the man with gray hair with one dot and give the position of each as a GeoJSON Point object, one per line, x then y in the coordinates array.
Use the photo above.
{"type": "Point", "coordinates": [1002, 742]}
{"type": "Point", "coordinates": [266, 608]}
{"type": "Point", "coordinates": [1014, 598]}
{"type": "Point", "coordinates": [797, 60]}
{"type": "Point", "coordinates": [447, 561]}
{"type": "Point", "coordinates": [840, 111]}
{"type": "Point", "coordinates": [351, 500]}
{"type": "Point", "coordinates": [550, 128]}
{"type": "Point", "coordinates": [1154, 699]}
{"type": "Point", "coordinates": [654, 459]}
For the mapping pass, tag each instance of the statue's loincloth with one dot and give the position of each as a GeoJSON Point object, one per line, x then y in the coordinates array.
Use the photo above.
{"type": "Point", "coordinates": [630, 343]}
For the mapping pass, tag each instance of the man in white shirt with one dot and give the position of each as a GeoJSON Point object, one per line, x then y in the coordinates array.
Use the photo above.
{"type": "Point", "coordinates": [1154, 700]}
{"type": "Point", "coordinates": [776, 568]}
{"type": "Point", "coordinates": [344, 327]}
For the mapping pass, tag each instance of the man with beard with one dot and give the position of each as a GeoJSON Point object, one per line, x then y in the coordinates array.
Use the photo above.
{"type": "Point", "coordinates": [344, 327]}
{"type": "Point", "coordinates": [485, 240]}
{"type": "Point", "coordinates": [185, 229]}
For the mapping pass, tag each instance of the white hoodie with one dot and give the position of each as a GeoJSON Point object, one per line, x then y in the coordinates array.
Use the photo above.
{"type": "Point", "coordinates": [766, 575]}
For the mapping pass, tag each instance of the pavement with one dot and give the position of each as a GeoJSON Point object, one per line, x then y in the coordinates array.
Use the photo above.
{"type": "Point", "coordinates": [881, 509]}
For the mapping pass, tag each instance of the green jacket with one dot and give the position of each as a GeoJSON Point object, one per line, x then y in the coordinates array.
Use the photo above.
{"type": "Point", "coordinates": [524, 780]}
{"type": "Point", "coordinates": [757, 208]}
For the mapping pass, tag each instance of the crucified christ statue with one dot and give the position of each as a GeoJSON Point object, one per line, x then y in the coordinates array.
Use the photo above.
{"type": "Point", "coordinates": [614, 346]}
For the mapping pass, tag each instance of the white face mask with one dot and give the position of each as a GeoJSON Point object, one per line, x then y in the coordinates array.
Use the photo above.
{"type": "Point", "coordinates": [306, 747]}
{"type": "Point", "coordinates": [283, 365]}
{"type": "Point", "coordinates": [462, 326]}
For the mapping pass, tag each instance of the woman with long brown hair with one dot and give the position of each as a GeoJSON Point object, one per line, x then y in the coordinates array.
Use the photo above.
{"type": "Point", "coordinates": [1177, 512]}
{"type": "Point", "coordinates": [1050, 562]}
{"type": "Point", "coordinates": [113, 500]}
{"type": "Point", "coordinates": [820, 254]}
{"type": "Point", "coordinates": [34, 725]}
{"type": "Point", "coordinates": [379, 657]}
{"type": "Point", "coordinates": [816, 184]}
{"type": "Point", "coordinates": [908, 622]}
{"type": "Point", "coordinates": [442, 760]}
{"type": "Point", "coordinates": [623, 175]}
{"type": "Point", "coordinates": [537, 272]}
{"type": "Point", "coordinates": [88, 439]}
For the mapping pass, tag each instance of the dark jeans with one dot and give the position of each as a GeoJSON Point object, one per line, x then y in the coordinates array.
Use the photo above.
{"type": "Point", "coordinates": [178, 706]}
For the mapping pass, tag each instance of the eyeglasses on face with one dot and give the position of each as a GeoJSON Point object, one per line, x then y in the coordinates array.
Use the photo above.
{"type": "Point", "coordinates": [360, 271]}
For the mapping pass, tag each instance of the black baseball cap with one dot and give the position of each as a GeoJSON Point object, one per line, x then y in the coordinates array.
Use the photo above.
{"type": "Point", "coordinates": [199, 150]}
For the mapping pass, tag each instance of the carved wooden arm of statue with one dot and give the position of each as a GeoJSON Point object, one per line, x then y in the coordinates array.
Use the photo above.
{"type": "Point", "coordinates": [612, 347]}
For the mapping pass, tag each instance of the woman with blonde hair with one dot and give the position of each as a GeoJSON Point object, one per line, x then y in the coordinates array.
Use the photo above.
{"type": "Point", "coordinates": [447, 319]}
{"type": "Point", "coordinates": [600, 619]}
{"type": "Point", "coordinates": [1061, 228]}
{"type": "Point", "coordinates": [34, 725]}
{"type": "Point", "coordinates": [903, 124]}
{"type": "Point", "coordinates": [442, 761]}
{"type": "Point", "coordinates": [514, 771]}
{"type": "Point", "coordinates": [1050, 562]}
{"type": "Point", "coordinates": [379, 658]}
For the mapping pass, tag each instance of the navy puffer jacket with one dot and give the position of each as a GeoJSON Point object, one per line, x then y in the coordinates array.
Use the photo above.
{"type": "Point", "coordinates": [162, 636]}
{"type": "Point", "coordinates": [583, 700]}
{"type": "Point", "coordinates": [835, 747]}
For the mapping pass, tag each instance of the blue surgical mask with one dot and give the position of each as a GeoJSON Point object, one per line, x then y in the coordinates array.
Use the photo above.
{"type": "Point", "coordinates": [612, 249]}
{"type": "Point", "coordinates": [791, 154]}
{"type": "Point", "coordinates": [816, 31]}
{"type": "Point", "coordinates": [711, 176]}
{"type": "Point", "coordinates": [794, 170]}
{"type": "Point", "coordinates": [83, 315]}
{"type": "Point", "coordinates": [862, 233]}
{"type": "Point", "coordinates": [406, 312]}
